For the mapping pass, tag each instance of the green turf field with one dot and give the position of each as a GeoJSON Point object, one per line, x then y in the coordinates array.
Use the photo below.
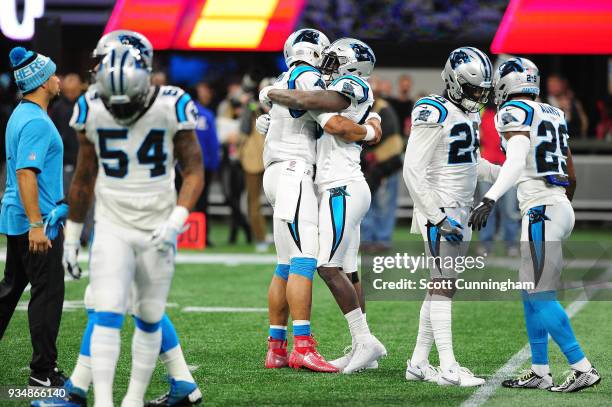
{"type": "Point", "coordinates": [227, 348]}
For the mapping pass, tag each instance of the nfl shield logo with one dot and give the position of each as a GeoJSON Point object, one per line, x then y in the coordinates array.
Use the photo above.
{"type": "Point", "coordinates": [32, 157]}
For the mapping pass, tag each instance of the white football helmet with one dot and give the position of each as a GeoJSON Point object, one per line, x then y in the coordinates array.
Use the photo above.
{"type": "Point", "coordinates": [305, 45]}
{"type": "Point", "coordinates": [122, 82]}
{"type": "Point", "coordinates": [468, 78]}
{"type": "Point", "coordinates": [348, 56]}
{"type": "Point", "coordinates": [124, 37]}
{"type": "Point", "coordinates": [516, 76]}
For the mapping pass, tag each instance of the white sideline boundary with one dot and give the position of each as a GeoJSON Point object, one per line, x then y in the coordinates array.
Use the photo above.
{"type": "Point", "coordinates": [484, 393]}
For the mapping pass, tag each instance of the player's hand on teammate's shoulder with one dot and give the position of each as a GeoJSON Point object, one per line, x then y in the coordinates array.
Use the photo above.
{"type": "Point", "coordinates": [262, 124]}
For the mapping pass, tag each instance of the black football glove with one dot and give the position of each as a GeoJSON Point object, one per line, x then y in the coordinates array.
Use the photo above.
{"type": "Point", "coordinates": [479, 215]}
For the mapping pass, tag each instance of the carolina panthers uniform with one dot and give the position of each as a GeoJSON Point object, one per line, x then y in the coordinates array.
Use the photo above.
{"type": "Point", "coordinates": [547, 215]}
{"type": "Point", "coordinates": [344, 193]}
{"type": "Point", "coordinates": [289, 157]}
{"type": "Point", "coordinates": [134, 193]}
{"type": "Point", "coordinates": [441, 170]}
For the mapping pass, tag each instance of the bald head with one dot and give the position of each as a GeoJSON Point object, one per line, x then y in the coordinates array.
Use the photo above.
{"type": "Point", "coordinates": [72, 86]}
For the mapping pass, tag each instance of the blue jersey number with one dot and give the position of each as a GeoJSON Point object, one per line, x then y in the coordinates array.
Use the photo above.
{"type": "Point", "coordinates": [463, 151]}
{"type": "Point", "coordinates": [150, 152]}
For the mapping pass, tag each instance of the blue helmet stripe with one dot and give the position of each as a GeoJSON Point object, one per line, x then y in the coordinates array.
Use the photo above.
{"type": "Point", "coordinates": [112, 71]}
{"type": "Point", "coordinates": [485, 61]}
{"type": "Point", "coordinates": [123, 58]}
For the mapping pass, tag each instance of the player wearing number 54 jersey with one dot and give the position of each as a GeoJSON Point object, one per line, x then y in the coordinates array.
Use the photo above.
{"type": "Point", "coordinates": [441, 167]}
{"type": "Point", "coordinates": [129, 134]}
{"type": "Point", "coordinates": [539, 162]}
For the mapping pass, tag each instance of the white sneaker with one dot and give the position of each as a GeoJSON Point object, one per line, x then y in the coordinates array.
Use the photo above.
{"type": "Point", "coordinates": [364, 354]}
{"type": "Point", "coordinates": [343, 361]}
{"type": "Point", "coordinates": [459, 376]}
{"type": "Point", "coordinates": [422, 372]}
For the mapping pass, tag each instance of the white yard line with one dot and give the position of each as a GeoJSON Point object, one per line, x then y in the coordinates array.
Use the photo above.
{"type": "Point", "coordinates": [485, 392]}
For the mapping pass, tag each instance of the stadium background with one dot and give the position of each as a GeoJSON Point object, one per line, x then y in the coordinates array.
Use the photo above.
{"type": "Point", "coordinates": [219, 295]}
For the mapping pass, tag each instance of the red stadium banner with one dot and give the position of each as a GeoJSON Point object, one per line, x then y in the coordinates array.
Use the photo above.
{"type": "Point", "coordinates": [555, 27]}
{"type": "Point", "coordinates": [222, 25]}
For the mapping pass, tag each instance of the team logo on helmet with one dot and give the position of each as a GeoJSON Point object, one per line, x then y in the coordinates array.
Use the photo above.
{"type": "Point", "coordinates": [307, 36]}
{"type": "Point", "coordinates": [135, 42]}
{"type": "Point", "coordinates": [458, 58]}
{"type": "Point", "coordinates": [513, 65]}
{"type": "Point", "coordinates": [363, 53]}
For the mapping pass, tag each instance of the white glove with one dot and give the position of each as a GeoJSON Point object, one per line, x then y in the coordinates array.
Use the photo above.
{"type": "Point", "coordinates": [263, 96]}
{"type": "Point", "coordinates": [164, 237]}
{"type": "Point", "coordinates": [72, 243]}
{"type": "Point", "coordinates": [262, 124]}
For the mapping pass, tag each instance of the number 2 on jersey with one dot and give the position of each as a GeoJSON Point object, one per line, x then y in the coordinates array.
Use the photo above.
{"type": "Point", "coordinates": [463, 151]}
{"type": "Point", "coordinates": [546, 156]}
{"type": "Point", "coordinates": [150, 152]}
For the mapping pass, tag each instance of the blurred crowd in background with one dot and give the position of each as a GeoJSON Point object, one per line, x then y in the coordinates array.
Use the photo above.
{"type": "Point", "coordinates": [232, 151]}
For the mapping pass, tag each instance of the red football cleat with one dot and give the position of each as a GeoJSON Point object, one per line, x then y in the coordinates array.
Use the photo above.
{"type": "Point", "coordinates": [305, 354]}
{"type": "Point", "coordinates": [277, 354]}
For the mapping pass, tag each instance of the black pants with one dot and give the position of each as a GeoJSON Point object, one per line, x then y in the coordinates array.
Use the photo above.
{"type": "Point", "coordinates": [46, 275]}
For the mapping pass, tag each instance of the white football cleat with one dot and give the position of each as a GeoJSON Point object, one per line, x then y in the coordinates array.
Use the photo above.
{"type": "Point", "coordinates": [343, 361]}
{"type": "Point", "coordinates": [364, 354]}
{"type": "Point", "coordinates": [459, 376]}
{"type": "Point", "coordinates": [423, 372]}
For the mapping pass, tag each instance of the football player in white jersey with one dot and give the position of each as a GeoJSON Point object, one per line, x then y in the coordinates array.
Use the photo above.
{"type": "Point", "coordinates": [183, 389]}
{"type": "Point", "coordinates": [289, 159]}
{"type": "Point", "coordinates": [129, 135]}
{"type": "Point", "coordinates": [539, 162]}
{"type": "Point", "coordinates": [441, 167]}
{"type": "Point", "coordinates": [344, 195]}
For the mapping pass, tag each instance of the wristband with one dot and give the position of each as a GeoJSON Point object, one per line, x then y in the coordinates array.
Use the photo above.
{"type": "Point", "coordinates": [179, 216]}
{"type": "Point", "coordinates": [72, 232]}
{"type": "Point", "coordinates": [39, 224]}
{"type": "Point", "coordinates": [370, 133]}
{"type": "Point", "coordinates": [374, 115]}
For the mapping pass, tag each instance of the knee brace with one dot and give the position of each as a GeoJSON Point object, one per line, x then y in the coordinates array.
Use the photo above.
{"type": "Point", "coordinates": [109, 319]}
{"type": "Point", "coordinates": [282, 271]}
{"type": "Point", "coordinates": [303, 266]}
{"type": "Point", "coordinates": [149, 327]}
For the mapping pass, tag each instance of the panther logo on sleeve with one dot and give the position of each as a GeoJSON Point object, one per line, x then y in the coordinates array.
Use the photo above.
{"type": "Point", "coordinates": [424, 115]}
{"type": "Point", "coordinates": [508, 118]}
{"type": "Point", "coordinates": [348, 90]}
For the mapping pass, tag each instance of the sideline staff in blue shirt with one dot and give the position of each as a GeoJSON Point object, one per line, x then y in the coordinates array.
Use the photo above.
{"type": "Point", "coordinates": [34, 191]}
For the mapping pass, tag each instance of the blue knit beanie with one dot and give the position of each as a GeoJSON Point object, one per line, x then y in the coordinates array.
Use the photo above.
{"type": "Point", "coordinates": [30, 69]}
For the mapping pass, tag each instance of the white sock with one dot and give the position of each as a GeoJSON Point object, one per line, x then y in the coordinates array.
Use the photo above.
{"type": "Point", "coordinates": [105, 348]}
{"type": "Point", "coordinates": [440, 315]}
{"type": "Point", "coordinates": [583, 365]}
{"type": "Point", "coordinates": [145, 349]}
{"type": "Point", "coordinates": [425, 337]}
{"type": "Point", "coordinates": [174, 360]}
{"type": "Point", "coordinates": [360, 332]}
{"type": "Point", "coordinates": [540, 370]}
{"type": "Point", "coordinates": [81, 375]}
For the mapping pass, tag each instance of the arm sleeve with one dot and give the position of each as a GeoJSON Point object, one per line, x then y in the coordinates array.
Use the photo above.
{"type": "Point", "coordinates": [33, 144]}
{"type": "Point", "coordinates": [80, 112]}
{"type": "Point", "coordinates": [487, 172]}
{"type": "Point", "coordinates": [517, 150]}
{"type": "Point", "coordinates": [185, 111]}
{"type": "Point", "coordinates": [419, 151]}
